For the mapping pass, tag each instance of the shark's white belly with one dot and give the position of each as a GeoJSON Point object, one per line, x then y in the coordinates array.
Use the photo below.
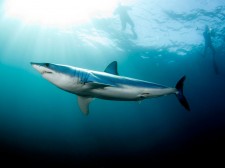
{"type": "Point", "coordinates": [116, 93]}
{"type": "Point", "coordinates": [129, 93]}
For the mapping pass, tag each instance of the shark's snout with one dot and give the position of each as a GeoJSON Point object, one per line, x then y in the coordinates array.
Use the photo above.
{"type": "Point", "coordinates": [41, 67]}
{"type": "Point", "coordinates": [32, 63]}
{"type": "Point", "coordinates": [40, 64]}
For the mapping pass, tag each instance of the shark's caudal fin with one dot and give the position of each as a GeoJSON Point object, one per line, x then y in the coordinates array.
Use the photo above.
{"type": "Point", "coordinates": [180, 95]}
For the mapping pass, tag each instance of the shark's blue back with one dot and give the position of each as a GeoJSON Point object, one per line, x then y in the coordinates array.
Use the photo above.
{"type": "Point", "coordinates": [115, 80]}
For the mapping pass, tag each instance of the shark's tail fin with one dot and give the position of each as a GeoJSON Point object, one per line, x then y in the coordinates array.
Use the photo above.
{"type": "Point", "coordinates": [180, 95]}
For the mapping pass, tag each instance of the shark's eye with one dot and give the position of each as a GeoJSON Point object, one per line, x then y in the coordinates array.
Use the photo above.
{"type": "Point", "coordinates": [47, 64]}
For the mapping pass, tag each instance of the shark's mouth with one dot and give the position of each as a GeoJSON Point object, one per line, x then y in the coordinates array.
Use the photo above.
{"type": "Point", "coordinates": [46, 72]}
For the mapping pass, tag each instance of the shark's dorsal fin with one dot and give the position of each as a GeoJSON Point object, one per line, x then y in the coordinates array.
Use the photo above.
{"type": "Point", "coordinates": [84, 104]}
{"type": "Point", "coordinates": [112, 68]}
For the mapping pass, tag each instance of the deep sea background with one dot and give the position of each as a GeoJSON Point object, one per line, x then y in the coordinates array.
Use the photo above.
{"type": "Point", "coordinates": [42, 125]}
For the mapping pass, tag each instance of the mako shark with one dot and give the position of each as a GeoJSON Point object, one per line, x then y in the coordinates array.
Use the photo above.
{"type": "Point", "coordinates": [108, 85]}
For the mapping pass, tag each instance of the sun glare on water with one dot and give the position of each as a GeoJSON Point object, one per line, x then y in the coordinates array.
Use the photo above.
{"type": "Point", "coordinates": [57, 13]}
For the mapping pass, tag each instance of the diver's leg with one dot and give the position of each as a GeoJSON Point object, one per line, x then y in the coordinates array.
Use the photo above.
{"type": "Point", "coordinates": [131, 23]}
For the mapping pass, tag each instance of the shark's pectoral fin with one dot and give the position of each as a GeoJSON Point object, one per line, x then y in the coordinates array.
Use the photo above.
{"type": "Point", "coordinates": [96, 85]}
{"type": "Point", "coordinates": [94, 82]}
{"type": "Point", "coordinates": [84, 104]}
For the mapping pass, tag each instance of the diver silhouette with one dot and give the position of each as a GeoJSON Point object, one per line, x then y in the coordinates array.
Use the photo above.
{"type": "Point", "coordinates": [125, 19]}
{"type": "Point", "coordinates": [208, 45]}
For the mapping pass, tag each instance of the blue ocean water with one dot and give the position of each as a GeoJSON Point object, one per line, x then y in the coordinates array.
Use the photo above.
{"type": "Point", "coordinates": [41, 124]}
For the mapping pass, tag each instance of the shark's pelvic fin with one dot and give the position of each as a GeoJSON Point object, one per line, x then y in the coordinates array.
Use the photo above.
{"type": "Point", "coordinates": [112, 68]}
{"type": "Point", "coordinates": [84, 104]}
